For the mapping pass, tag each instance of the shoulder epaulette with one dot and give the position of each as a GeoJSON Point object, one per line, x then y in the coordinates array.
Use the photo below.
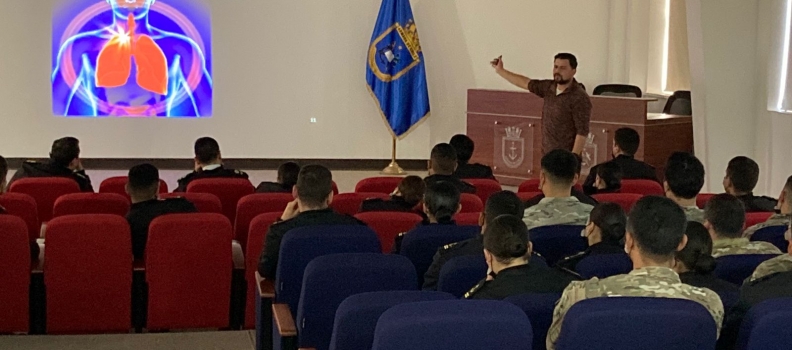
{"type": "Point", "coordinates": [449, 246]}
{"type": "Point", "coordinates": [475, 289]}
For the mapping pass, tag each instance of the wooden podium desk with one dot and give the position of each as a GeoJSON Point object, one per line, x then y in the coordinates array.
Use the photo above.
{"type": "Point", "coordinates": [507, 129]}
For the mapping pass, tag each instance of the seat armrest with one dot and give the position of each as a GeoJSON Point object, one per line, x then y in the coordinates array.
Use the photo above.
{"type": "Point", "coordinates": [265, 287]}
{"type": "Point", "coordinates": [284, 320]}
{"type": "Point", "coordinates": [237, 255]}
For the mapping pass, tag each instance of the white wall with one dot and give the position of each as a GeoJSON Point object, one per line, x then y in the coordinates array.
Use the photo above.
{"type": "Point", "coordinates": [279, 63]}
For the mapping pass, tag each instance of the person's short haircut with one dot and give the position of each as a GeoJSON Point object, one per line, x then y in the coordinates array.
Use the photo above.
{"type": "Point", "coordinates": [628, 140]}
{"type": "Point", "coordinates": [726, 214]}
{"type": "Point", "coordinates": [206, 149]}
{"type": "Point", "coordinates": [412, 189]}
{"type": "Point", "coordinates": [573, 62]}
{"type": "Point", "coordinates": [3, 168]}
{"type": "Point", "coordinates": [579, 164]}
{"type": "Point", "coordinates": [144, 177]}
{"type": "Point", "coordinates": [507, 238]}
{"type": "Point", "coordinates": [560, 166]}
{"type": "Point", "coordinates": [788, 186]}
{"type": "Point", "coordinates": [697, 254]}
{"type": "Point", "coordinates": [65, 150]}
{"type": "Point", "coordinates": [658, 225]}
{"type": "Point", "coordinates": [611, 220]}
{"type": "Point", "coordinates": [743, 173]}
{"type": "Point", "coordinates": [611, 174]}
{"type": "Point", "coordinates": [442, 201]}
{"type": "Point", "coordinates": [288, 173]}
{"type": "Point", "coordinates": [503, 203]}
{"type": "Point", "coordinates": [684, 174]}
{"type": "Point", "coordinates": [444, 158]}
{"type": "Point", "coordinates": [314, 185]}
{"type": "Point", "coordinates": [464, 147]}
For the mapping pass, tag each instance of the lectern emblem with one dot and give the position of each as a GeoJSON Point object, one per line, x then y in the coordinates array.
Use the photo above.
{"type": "Point", "coordinates": [513, 147]}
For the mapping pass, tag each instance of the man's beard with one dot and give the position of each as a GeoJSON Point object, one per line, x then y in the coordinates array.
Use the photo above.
{"type": "Point", "coordinates": [560, 80]}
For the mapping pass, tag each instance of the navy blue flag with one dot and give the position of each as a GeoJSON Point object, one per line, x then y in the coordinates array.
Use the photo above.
{"type": "Point", "coordinates": [396, 72]}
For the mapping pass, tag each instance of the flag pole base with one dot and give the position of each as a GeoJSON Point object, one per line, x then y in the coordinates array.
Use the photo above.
{"type": "Point", "coordinates": [393, 169]}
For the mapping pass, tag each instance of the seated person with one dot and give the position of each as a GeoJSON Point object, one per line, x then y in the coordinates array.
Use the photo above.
{"type": "Point", "coordinates": [782, 217]}
{"type": "Point", "coordinates": [464, 148]}
{"type": "Point", "coordinates": [208, 164]}
{"type": "Point", "coordinates": [64, 161]}
{"type": "Point", "coordinates": [625, 144]}
{"type": "Point", "coordinates": [442, 164]}
{"type": "Point", "coordinates": [771, 279]}
{"type": "Point", "coordinates": [558, 207]}
{"type": "Point", "coordinates": [582, 197]}
{"type": "Point", "coordinates": [405, 198]}
{"type": "Point", "coordinates": [440, 205]}
{"type": "Point", "coordinates": [695, 263]}
{"type": "Point", "coordinates": [655, 232]}
{"type": "Point", "coordinates": [143, 187]}
{"type": "Point", "coordinates": [684, 178]}
{"type": "Point", "coordinates": [742, 174]}
{"type": "Point", "coordinates": [724, 219]}
{"type": "Point", "coordinates": [607, 180]}
{"type": "Point", "coordinates": [34, 247]}
{"type": "Point", "coordinates": [604, 233]}
{"type": "Point", "coordinates": [507, 246]}
{"type": "Point", "coordinates": [501, 203]}
{"type": "Point", "coordinates": [287, 177]}
{"type": "Point", "coordinates": [313, 193]}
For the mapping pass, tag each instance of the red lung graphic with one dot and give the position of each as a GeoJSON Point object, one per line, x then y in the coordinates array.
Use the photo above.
{"type": "Point", "coordinates": [114, 64]}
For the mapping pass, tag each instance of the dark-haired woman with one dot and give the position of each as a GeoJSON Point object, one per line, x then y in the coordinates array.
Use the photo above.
{"type": "Point", "coordinates": [695, 263]}
{"type": "Point", "coordinates": [440, 205]}
{"type": "Point", "coordinates": [604, 233]}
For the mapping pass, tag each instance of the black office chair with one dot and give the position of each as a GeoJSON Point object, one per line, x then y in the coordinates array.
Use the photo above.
{"type": "Point", "coordinates": [621, 90]}
{"type": "Point", "coordinates": [679, 104]}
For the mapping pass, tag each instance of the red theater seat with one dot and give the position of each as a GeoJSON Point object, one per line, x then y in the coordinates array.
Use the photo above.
{"type": "Point", "coordinates": [257, 231]}
{"type": "Point", "coordinates": [204, 202]}
{"type": "Point", "coordinates": [703, 198]}
{"type": "Point", "coordinates": [230, 191]}
{"type": "Point", "coordinates": [625, 200]}
{"type": "Point", "coordinates": [467, 219]}
{"type": "Point", "coordinates": [117, 185]}
{"type": "Point", "coordinates": [485, 187]}
{"type": "Point", "coordinates": [23, 206]}
{"type": "Point", "coordinates": [756, 218]}
{"type": "Point", "coordinates": [45, 190]}
{"type": "Point", "coordinates": [526, 196]}
{"type": "Point", "coordinates": [471, 203]}
{"type": "Point", "coordinates": [254, 204]}
{"type": "Point", "coordinates": [388, 225]}
{"type": "Point", "coordinates": [530, 185]}
{"type": "Point", "coordinates": [15, 267]}
{"type": "Point", "coordinates": [381, 184]}
{"type": "Point", "coordinates": [90, 203]}
{"type": "Point", "coordinates": [643, 187]}
{"type": "Point", "coordinates": [349, 203]}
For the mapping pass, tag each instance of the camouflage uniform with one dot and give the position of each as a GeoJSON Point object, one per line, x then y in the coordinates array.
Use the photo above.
{"type": "Point", "coordinates": [775, 220]}
{"type": "Point", "coordinates": [741, 246]}
{"type": "Point", "coordinates": [557, 211]}
{"type": "Point", "coordinates": [694, 213]}
{"type": "Point", "coordinates": [660, 282]}
{"type": "Point", "coordinates": [775, 265]}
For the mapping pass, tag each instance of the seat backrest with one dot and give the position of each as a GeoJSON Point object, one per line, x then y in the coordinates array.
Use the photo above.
{"type": "Point", "coordinates": [259, 227]}
{"type": "Point", "coordinates": [736, 268]}
{"type": "Point", "coordinates": [539, 309]}
{"type": "Point", "coordinates": [252, 205]}
{"type": "Point", "coordinates": [703, 198]}
{"type": "Point", "coordinates": [301, 245]}
{"type": "Point", "coordinates": [485, 187]}
{"type": "Point", "coordinates": [460, 274]}
{"type": "Point", "coordinates": [88, 274]}
{"type": "Point", "coordinates": [229, 190]}
{"type": "Point", "coordinates": [471, 203]}
{"type": "Point", "coordinates": [530, 185]}
{"type": "Point", "coordinates": [45, 190]}
{"type": "Point", "coordinates": [637, 323]}
{"type": "Point", "coordinates": [643, 187]}
{"type": "Point", "coordinates": [23, 206]}
{"type": "Point", "coordinates": [379, 184]}
{"type": "Point", "coordinates": [117, 185]}
{"type": "Point", "coordinates": [772, 234]}
{"type": "Point", "coordinates": [679, 103]}
{"type": "Point", "coordinates": [622, 90]}
{"type": "Point", "coordinates": [91, 203]}
{"type": "Point", "coordinates": [604, 265]}
{"type": "Point", "coordinates": [15, 267]}
{"type": "Point", "coordinates": [349, 203]}
{"type": "Point", "coordinates": [757, 218]}
{"type": "Point", "coordinates": [421, 243]}
{"type": "Point", "coordinates": [388, 225]}
{"type": "Point", "coordinates": [467, 219]}
{"type": "Point", "coordinates": [624, 200]}
{"type": "Point", "coordinates": [526, 196]}
{"type": "Point", "coordinates": [330, 279]}
{"type": "Point", "coordinates": [204, 202]}
{"type": "Point", "coordinates": [558, 241]}
{"type": "Point", "coordinates": [356, 317]}
{"type": "Point", "coordinates": [188, 270]}
{"type": "Point", "coordinates": [766, 326]}
{"type": "Point", "coordinates": [453, 324]}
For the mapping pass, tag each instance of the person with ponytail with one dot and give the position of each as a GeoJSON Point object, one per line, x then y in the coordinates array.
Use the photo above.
{"type": "Point", "coordinates": [604, 232]}
{"type": "Point", "coordinates": [695, 263]}
{"type": "Point", "coordinates": [440, 205]}
{"type": "Point", "coordinates": [507, 244]}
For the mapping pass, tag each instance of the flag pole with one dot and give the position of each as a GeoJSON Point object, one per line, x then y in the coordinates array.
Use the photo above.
{"type": "Point", "coordinates": [393, 168]}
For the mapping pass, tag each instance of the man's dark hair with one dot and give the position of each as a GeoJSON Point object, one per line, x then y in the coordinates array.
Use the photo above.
{"type": "Point", "coordinates": [444, 159]}
{"type": "Point", "coordinates": [569, 57]}
{"type": "Point", "coordinates": [442, 201]}
{"type": "Point", "coordinates": [788, 185]}
{"type": "Point", "coordinates": [610, 173]}
{"type": "Point", "coordinates": [288, 173]}
{"type": "Point", "coordinates": [206, 149]}
{"type": "Point", "coordinates": [743, 173]}
{"type": "Point", "coordinates": [611, 220]}
{"type": "Point", "coordinates": [726, 214]}
{"type": "Point", "coordinates": [144, 177]}
{"type": "Point", "coordinates": [314, 185]}
{"type": "Point", "coordinates": [503, 203]}
{"type": "Point", "coordinates": [64, 151]}
{"type": "Point", "coordinates": [658, 225]}
{"type": "Point", "coordinates": [579, 165]}
{"type": "Point", "coordinates": [507, 238]}
{"type": "Point", "coordinates": [628, 140]}
{"type": "Point", "coordinates": [560, 166]}
{"type": "Point", "coordinates": [684, 174]}
{"type": "Point", "coordinates": [412, 189]}
{"type": "Point", "coordinates": [464, 147]}
{"type": "Point", "coordinates": [3, 169]}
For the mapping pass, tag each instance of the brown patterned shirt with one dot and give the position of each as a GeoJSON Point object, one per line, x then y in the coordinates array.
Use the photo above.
{"type": "Point", "coordinates": [564, 116]}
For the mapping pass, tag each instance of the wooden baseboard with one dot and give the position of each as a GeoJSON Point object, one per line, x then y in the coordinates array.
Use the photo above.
{"type": "Point", "coordinates": [239, 163]}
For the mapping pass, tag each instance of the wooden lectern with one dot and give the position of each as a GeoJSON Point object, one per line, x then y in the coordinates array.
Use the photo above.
{"type": "Point", "coordinates": [507, 129]}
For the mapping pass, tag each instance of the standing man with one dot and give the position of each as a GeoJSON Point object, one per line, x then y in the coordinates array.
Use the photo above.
{"type": "Point", "coordinates": [567, 108]}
